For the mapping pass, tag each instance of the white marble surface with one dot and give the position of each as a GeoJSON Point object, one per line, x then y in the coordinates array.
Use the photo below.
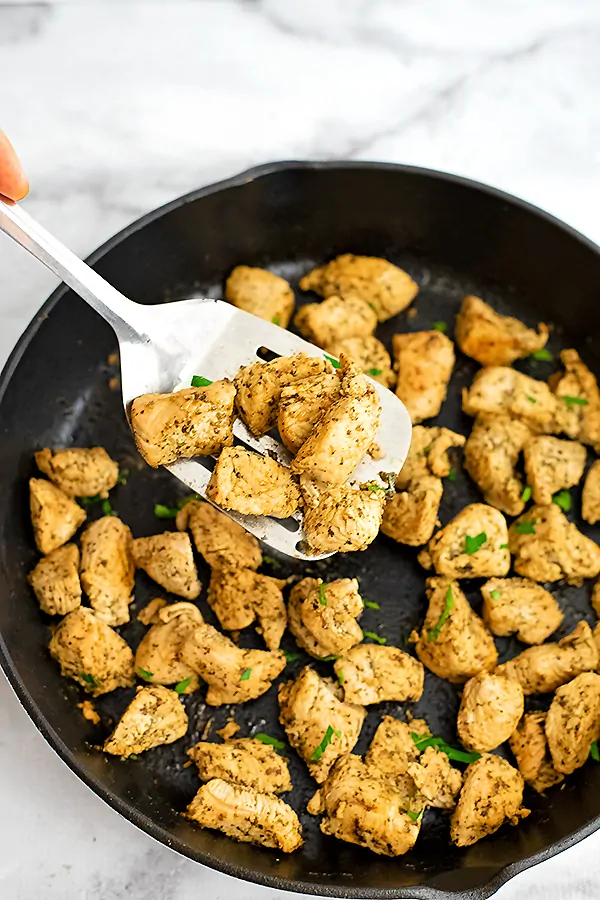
{"type": "Point", "coordinates": [118, 107]}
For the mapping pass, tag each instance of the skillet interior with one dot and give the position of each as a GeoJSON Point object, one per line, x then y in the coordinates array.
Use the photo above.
{"type": "Point", "coordinates": [454, 237]}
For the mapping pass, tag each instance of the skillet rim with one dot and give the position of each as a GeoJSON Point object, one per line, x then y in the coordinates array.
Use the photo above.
{"type": "Point", "coordinates": [127, 810]}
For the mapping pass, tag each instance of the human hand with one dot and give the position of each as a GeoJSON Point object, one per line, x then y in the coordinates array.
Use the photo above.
{"type": "Point", "coordinates": [13, 183]}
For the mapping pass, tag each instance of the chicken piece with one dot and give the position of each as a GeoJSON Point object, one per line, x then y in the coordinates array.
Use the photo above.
{"type": "Point", "coordinates": [233, 675]}
{"type": "Point", "coordinates": [410, 517]}
{"type": "Point", "coordinates": [55, 517]}
{"type": "Point", "coordinates": [246, 815]}
{"type": "Point", "coordinates": [341, 519]}
{"type": "Point", "coordinates": [454, 643]}
{"type": "Point", "coordinates": [244, 761]}
{"type": "Point", "coordinates": [437, 781]}
{"type": "Point", "coordinates": [428, 455]}
{"type": "Point", "coordinates": [159, 654]}
{"type": "Point", "coordinates": [319, 726]}
{"type": "Point", "coordinates": [148, 615]}
{"type": "Point", "coordinates": [552, 464]}
{"type": "Point", "coordinates": [239, 597]}
{"type": "Point", "coordinates": [492, 794]}
{"type": "Point", "coordinates": [107, 568]}
{"type": "Point", "coordinates": [91, 653]}
{"type": "Point", "coordinates": [473, 545]}
{"type": "Point", "coordinates": [573, 722]}
{"type": "Point", "coordinates": [301, 406]}
{"type": "Point", "coordinates": [364, 807]}
{"type": "Point", "coordinates": [590, 498]}
{"type": "Point", "coordinates": [393, 749]}
{"type": "Point", "coordinates": [222, 542]}
{"type": "Point", "coordinates": [168, 559]}
{"type": "Point", "coordinates": [490, 709]}
{"type": "Point", "coordinates": [372, 674]}
{"type": "Point", "coordinates": [336, 317]}
{"type": "Point", "coordinates": [88, 711]}
{"type": "Point", "coordinates": [385, 287]}
{"type": "Point", "coordinates": [55, 581]}
{"type": "Point", "coordinates": [491, 456]}
{"type": "Point", "coordinates": [369, 354]}
{"type": "Point", "coordinates": [322, 617]}
{"type": "Point", "coordinates": [192, 422]}
{"type": "Point", "coordinates": [547, 547]}
{"type": "Point", "coordinates": [499, 390]}
{"type": "Point", "coordinates": [530, 748]}
{"type": "Point", "coordinates": [492, 339]}
{"type": "Point", "coordinates": [522, 607]}
{"type": "Point", "coordinates": [252, 484]}
{"type": "Point", "coordinates": [229, 729]}
{"type": "Point", "coordinates": [423, 361]}
{"type": "Point", "coordinates": [577, 401]}
{"type": "Point", "coordinates": [155, 716]}
{"type": "Point", "coordinates": [261, 293]}
{"type": "Point", "coordinates": [343, 435]}
{"type": "Point", "coordinates": [541, 670]}
{"type": "Point", "coordinates": [259, 387]}
{"type": "Point", "coordinates": [79, 472]}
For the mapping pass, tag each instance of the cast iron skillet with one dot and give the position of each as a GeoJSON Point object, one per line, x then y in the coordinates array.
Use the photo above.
{"type": "Point", "coordinates": [454, 237]}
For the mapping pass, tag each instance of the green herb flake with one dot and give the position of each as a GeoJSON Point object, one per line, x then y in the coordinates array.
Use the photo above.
{"type": "Point", "coordinates": [594, 752]}
{"type": "Point", "coordinates": [334, 362]}
{"type": "Point", "coordinates": [133, 756]}
{"type": "Point", "coordinates": [181, 686]}
{"type": "Point", "coordinates": [451, 476]}
{"type": "Point", "coordinates": [322, 597]}
{"type": "Point", "coordinates": [374, 372]}
{"type": "Point", "coordinates": [415, 816]}
{"type": "Point", "coordinates": [575, 401]}
{"type": "Point", "coordinates": [564, 500]}
{"type": "Point", "coordinates": [370, 605]}
{"type": "Point", "coordinates": [165, 512]}
{"type": "Point", "coordinates": [123, 476]}
{"type": "Point", "coordinates": [276, 320]}
{"type": "Point", "coordinates": [503, 547]}
{"type": "Point", "coordinates": [526, 495]}
{"type": "Point", "coordinates": [434, 633]}
{"type": "Point", "coordinates": [542, 355]}
{"type": "Point", "coordinates": [183, 501]}
{"type": "Point", "coordinates": [290, 656]}
{"type": "Point", "coordinates": [472, 544]}
{"type": "Point", "coordinates": [377, 487]}
{"type": "Point", "coordinates": [340, 676]}
{"type": "Point", "coordinates": [245, 675]}
{"type": "Point", "coordinates": [143, 673]}
{"type": "Point", "coordinates": [271, 561]}
{"type": "Point", "coordinates": [89, 679]}
{"type": "Point", "coordinates": [527, 527]}
{"type": "Point", "coordinates": [107, 508]}
{"type": "Point", "coordinates": [495, 595]}
{"type": "Point", "coordinates": [423, 741]}
{"type": "Point", "coordinates": [267, 739]}
{"type": "Point", "coordinates": [88, 501]}
{"type": "Point", "coordinates": [331, 658]}
{"type": "Point", "coordinates": [531, 399]}
{"type": "Point", "coordinates": [200, 381]}
{"type": "Point", "coordinates": [320, 750]}
{"type": "Point", "coordinates": [440, 326]}
{"type": "Point", "coordinates": [374, 637]}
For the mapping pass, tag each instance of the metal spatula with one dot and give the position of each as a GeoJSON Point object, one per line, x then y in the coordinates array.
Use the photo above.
{"type": "Point", "coordinates": [162, 347]}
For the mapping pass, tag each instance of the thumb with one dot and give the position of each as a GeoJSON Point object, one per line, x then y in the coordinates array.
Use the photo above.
{"type": "Point", "coordinates": [13, 183]}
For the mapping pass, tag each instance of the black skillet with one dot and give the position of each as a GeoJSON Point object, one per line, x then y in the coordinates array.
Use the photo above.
{"type": "Point", "coordinates": [454, 237]}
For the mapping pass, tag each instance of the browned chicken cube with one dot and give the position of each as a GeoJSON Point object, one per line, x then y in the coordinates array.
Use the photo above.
{"type": "Point", "coordinates": [107, 568]}
{"type": "Point", "coordinates": [322, 616]}
{"type": "Point", "coordinates": [552, 464]}
{"type": "Point", "coordinates": [182, 424]}
{"type": "Point", "coordinates": [436, 781]}
{"type": "Point", "coordinates": [168, 559]}
{"type": "Point", "coordinates": [385, 287]}
{"type": "Point", "coordinates": [79, 472]}
{"type": "Point", "coordinates": [159, 656]}
{"type": "Point", "coordinates": [491, 457]}
{"type": "Point", "coordinates": [590, 499]}
{"type": "Point", "coordinates": [155, 716]}
{"type": "Point", "coordinates": [547, 547]}
{"type": "Point", "coordinates": [244, 761]}
{"type": "Point", "coordinates": [252, 484]}
{"type": "Point", "coordinates": [492, 339]}
{"type": "Point", "coordinates": [410, 517]}
{"type": "Point", "coordinates": [428, 455]}
{"type": "Point", "coordinates": [91, 653]}
{"type": "Point", "coordinates": [490, 709]}
{"type": "Point", "coordinates": [522, 607]}
{"type": "Point", "coordinates": [499, 389]}
{"type": "Point", "coordinates": [239, 597]}
{"type": "Point", "coordinates": [577, 401]}
{"type": "Point", "coordinates": [303, 404]}
{"type": "Point", "coordinates": [222, 542]}
{"type": "Point", "coordinates": [372, 674]}
{"type": "Point", "coordinates": [55, 581]}
{"type": "Point", "coordinates": [368, 353]}
{"type": "Point", "coordinates": [393, 749]}
{"type": "Point", "coordinates": [336, 317]}
{"type": "Point", "coordinates": [573, 722]}
{"type": "Point", "coordinates": [341, 519]}
{"type": "Point", "coordinates": [530, 748]}
{"type": "Point", "coordinates": [261, 293]}
{"type": "Point", "coordinates": [473, 545]}
{"type": "Point", "coordinates": [423, 362]}
{"type": "Point", "coordinates": [454, 643]}
{"type": "Point", "coordinates": [148, 614]}
{"type": "Point", "coordinates": [319, 726]}
{"type": "Point", "coordinates": [55, 517]}
{"type": "Point", "coordinates": [492, 794]}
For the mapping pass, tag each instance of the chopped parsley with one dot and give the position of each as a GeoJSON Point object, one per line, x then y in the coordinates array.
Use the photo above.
{"type": "Point", "coordinates": [472, 544]}
{"type": "Point", "coordinates": [107, 508]}
{"type": "Point", "coordinates": [340, 676]}
{"type": "Point", "coordinates": [563, 499]}
{"type": "Point", "coordinates": [374, 372]}
{"type": "Point", "coordinates": [144, 673]}
{"type": "Point", "coordinates": [267, 739]}
{"type": "Point", "coordinates": [276, 320]}
{"type": "Point", "coordinates": [434, 633]}
{"type": "Point", "coordinates": [182, 685]}
{"type": "Point", "coordinates": [370, 605]}
{"type": "Point", "coordinates": [527, 527]}
{"type": "Point", "coordinates": [331, 658]}
{"type": "Point", "coordinates": [374, 637]}
{"type": "Point", "coordinates": [423, 741]}
{"type": "Point", "coordinates": [200, 381]}
{"type": "Point", "coordinates": [89, 679]}
{"type": "Point", "coordinates": [271, 562]}
{"type": "Point", "coordinates": [594, 753]}
{"type": "Point", "coordinates": [88, 501]}
{"type": "Point", "coordinates": [531, 399]}
{"type": "Point", "coordinates": [575, 401]}
{"type": "Point", "coordinates": [451, 476]}
{"type": "Point", "coordinates": [440, 326]}
{"type": "Point", "coordinates": [526, 495]}
{"type": "Point", "coordinates": [377, 487]}
{"type": "Point", "coordinates": [503, 547]}
{"type": "Point", "coordinates": [542, 355]}
{"type": "Point", "coordinates": [245, 674]}
{"type": "Point", "coordinates": [183, 501]}
{"type": "Point", "coordinates": [495, 595]}
{"type": "Point", "coordinates": [132, 756]}
{"type": "Point", "coordinates": [290, 656]}
{"type": "Point", "coordinates": [320, 750]}
{"type": "Point", "coordinates": [165, 512]}
{"type": "Point", "coordinates": [415, 816]}
{"type": "Point", "coordinates": [322, 597]}
{"type": "Point", "coordinates": [123, 476]}
{"type": "Point", "coordinates": [334, 362]}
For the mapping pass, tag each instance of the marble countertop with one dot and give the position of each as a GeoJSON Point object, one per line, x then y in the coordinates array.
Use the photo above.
{"type": "Point", "coordinates": [116, 108]}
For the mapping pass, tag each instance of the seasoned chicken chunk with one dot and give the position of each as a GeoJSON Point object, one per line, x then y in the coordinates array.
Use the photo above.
{"type": "Point", "coordinates": [341, 519]}
{"type": "Point", "coordinates": [573, 722]}
{"type": "Point", "coordinates": [368, 353]}
{"type": "Point", "coordinates": [590, 499]}
{"type": "Point", "coordinates": [79, 472]}
{"type": "Point", "coordinates": [261, 293]}
{"type": "Point", "coordinates": [55, 581]}
{"type": "Point", "coordinates": [473, 545]}
{"type": "Point", "coordinates": [148, 614]}
{"type": "Point", "coordinates": [244, 761]}
{"type": "Point", "coordinates": [302, 404]}
{"type": "Point", "coordinates": [55, 517]}
{"type": "Point", "coordinates": [107, 568]}
{"type": "Point", "coordinates": [437, 781]}
{"type": "Point", "coordinates": [168, 559]}
{"type": "Point", "coordinates": [393, 749]}
{"type": "Point", "coordinates": [499, 389]}
{"type": "Point", "coordinates": [319, 726]}
{"type": "Point", "coordinates": [540, 670]}
{"type": "Point", "coordinates": [492, 339]}
{"type": "Point", "coordinates": [246, 815]}
{"type": "Point", "coordinates": [253, 484]}
{"type": "Point", "coordinates": [530, 748]}
{"type": "Point", "coordinates": [343, 435]}
{"type": "Point", "coordinates": [410, 517]}
{"type": "Point", "coordinates": [158, 658]}
{"type": "Point", "coordinates": [385, 287]}
{"type": "Point", "coordinates": [191, 422]}
{"type": "Point", "coordinates": [155, 716]}
{"type": "Point", "coordinates": [239, 597]}
{"type": "Point", "coordinates": [522, 607]}
{"type": "Point", "coordinates": [428, 455]}
{"type": "Point", "coordinates": [91, 653]}
{"type": "Point", "coordinates": [454, 643]}
{"type": "Point", "coordinates": [233, 675]}
{"type": "Point", "coordinates": [372, 674]}
{"type": "Point", "coordinates": [322, 616]}
{"type": "Point", "coordinates": [547, 547]}
{"type": "Point", "coordinates": [259, 387]}
{"type": "Point", "coordinates": [492, 794]}
{"type": "Point", "coordinates": [222, 542]}
{"type": "Point", "coordinates": [577, 401]}
{"type": "Point", "coordinates": [552, 464]}
{"type": "Point", "coordinates": [490, 709]}
{"type": "Point", "coordinates": [336, 317]}
{"type": "Point", "coordinates": [491, 456]}
{"type": "Point", "coordinates": [423, 361]}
